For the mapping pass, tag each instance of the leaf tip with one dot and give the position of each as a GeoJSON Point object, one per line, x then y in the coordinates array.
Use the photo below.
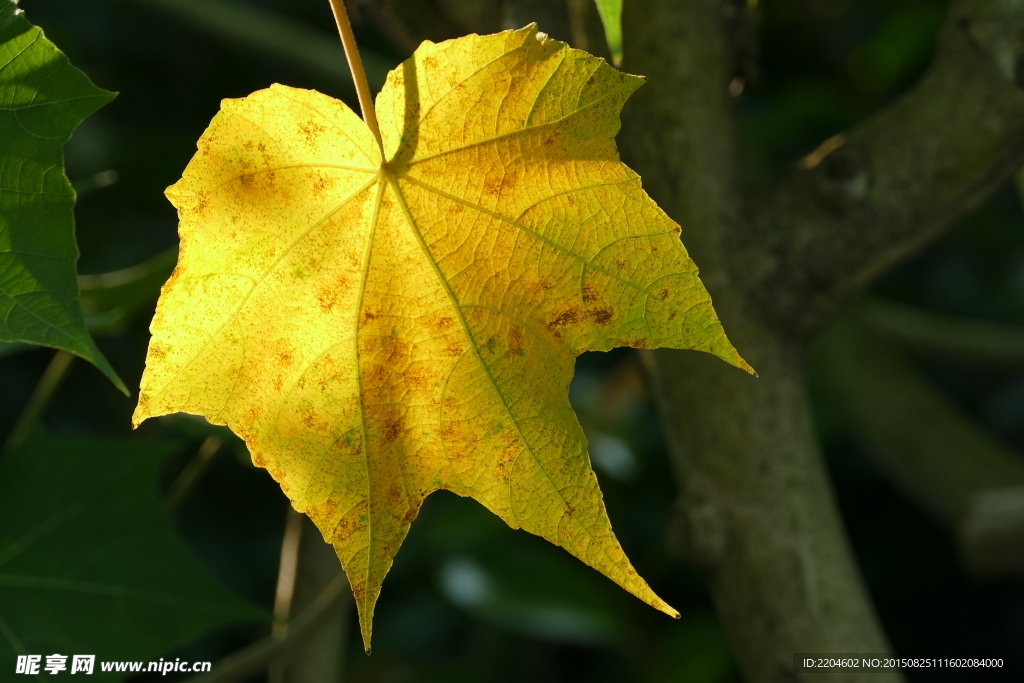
{"type": "Point", "coordinates": [665, 608]}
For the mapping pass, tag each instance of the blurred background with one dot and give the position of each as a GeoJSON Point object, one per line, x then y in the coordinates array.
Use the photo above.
{"type": "Point", "coordinates": [932, 357]}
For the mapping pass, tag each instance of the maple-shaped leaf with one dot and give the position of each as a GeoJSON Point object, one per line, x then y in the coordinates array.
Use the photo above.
{"type": "Point", "coordinates": [378, 329]}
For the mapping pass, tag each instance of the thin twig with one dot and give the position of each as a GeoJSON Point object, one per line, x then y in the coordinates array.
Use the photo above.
{"type": "Point", "coordinates": [54, 374]}
{"type": "Point", "coordinates": [355, 64]}
{"type": "Point", "coordinates": [191, 473]}
{"type": "Point", "coordinates": [286, 573]}
{"type": "Point", "coordinates": [251, 660]}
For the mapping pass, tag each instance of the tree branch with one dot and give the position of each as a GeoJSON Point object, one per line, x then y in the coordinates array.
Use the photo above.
{"type": "Point", "coordinates": [940, 456]}
{"type": "Point", "coordinates": [965, 339]}
{"type": "Point", "coordinates": [820, 235]}
{"type": "Point", "coordinates": [963, 476]}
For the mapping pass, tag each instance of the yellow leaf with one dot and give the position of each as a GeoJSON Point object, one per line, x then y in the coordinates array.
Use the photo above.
{"type": "Point", "coordinates": [379, 331]}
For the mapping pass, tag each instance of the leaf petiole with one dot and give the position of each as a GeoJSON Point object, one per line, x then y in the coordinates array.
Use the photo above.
{"type": "Point", "coordinates": [52, 377]}
{"type": "Point", "coordinates": [355, 64]}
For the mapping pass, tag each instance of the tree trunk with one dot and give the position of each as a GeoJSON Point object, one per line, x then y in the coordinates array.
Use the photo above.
{"type": "Point", "coordinates": [756, 511]}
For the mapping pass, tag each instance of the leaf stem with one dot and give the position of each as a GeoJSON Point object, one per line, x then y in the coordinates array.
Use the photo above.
{"type": "Point", "coordinates": [249, 661]}
{"type": "Point", "coordinates": [355, 64]}
{"type": "Point", "coordinates": [195, 468]}
{"type": "Point", "coordinates": [287, 571]}
{"type": "Point", "coordinates": [54, 374]}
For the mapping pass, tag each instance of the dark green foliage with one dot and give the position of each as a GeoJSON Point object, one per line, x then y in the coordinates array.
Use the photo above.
{"type": "Point", "coordinates": [89, 561]}
{"type": "Point", "coordinates": [42, 99]}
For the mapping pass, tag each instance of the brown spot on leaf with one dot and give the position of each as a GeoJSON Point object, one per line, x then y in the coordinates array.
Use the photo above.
{"type": "Point", "coordinates": [311, 129]}
{"type": "Point", "coordinates": [391, 428]}
{"type": "Point", "coordinates": [541, 286]}
{"type": "Point", "coordinates": [203, 206]}
{"type": "Point", "coordinates": [410, 515]}
{"type": "Point", "coordinates": [568, 317]}
{"type": "Point", "coordinates": [448, 431]}
{"type": "Point", "coordinates": [416, 380]}
{"type": "Point", "coordinates": [252, 416]}
{"type": "Point", "coordinates": [515, 346]}
{"type": "Point", "coordinates": [326, 299]}
{"type": "Point", "coordinates": [590, 293]}
{"type": "Point", "coordinates": [663, 294]}
{"type": "Point", "coordinates": [513, 444]}
{"type": "Point", "coordinates": [322, 184]}
{"type": "Point", "coordinates": [602, 315]}
{"type": "Point", "coordinates": [492, 185]}
{"type": "Point", "coordinates": [346, 528]}
{"type": "Point", "coordinates": [443, 324]}
{"type": "Point", "coordinates": [374, 373]}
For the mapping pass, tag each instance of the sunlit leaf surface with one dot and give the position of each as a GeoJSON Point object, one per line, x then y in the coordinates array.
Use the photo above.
{"type": "Point", "coordinates": [379, 331]}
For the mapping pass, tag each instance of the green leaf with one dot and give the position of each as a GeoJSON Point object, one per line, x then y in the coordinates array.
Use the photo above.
{"type": "Point", "coordinates": [89, 561]}
{"type": "Point", "coordinates": [611, 17]}
{"type": "Point", "coordinates": [42, 99]}
{"type": "Point", "coordinates": [11, 348]}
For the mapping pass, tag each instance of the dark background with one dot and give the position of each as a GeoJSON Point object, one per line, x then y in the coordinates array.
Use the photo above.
{"type": "Point", "coordinates": [468, 599]}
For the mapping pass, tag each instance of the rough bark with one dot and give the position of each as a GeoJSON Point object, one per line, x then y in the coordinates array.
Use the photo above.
{"type": "Point", "coordinates": [818, 237]}
{"type": "Point", "coordinates": [756, 511]}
